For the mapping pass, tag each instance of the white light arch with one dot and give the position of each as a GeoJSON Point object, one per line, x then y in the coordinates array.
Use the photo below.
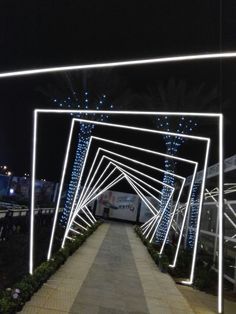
{"type": "Point", "coordinates": [197, 57]}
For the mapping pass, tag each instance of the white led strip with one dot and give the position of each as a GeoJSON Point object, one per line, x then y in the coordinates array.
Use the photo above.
{"type": "Point", "coordinates": [131, 159]}
{"type": "Point", "coordinates": [135, 161]}
{"type": "Point", "coordinates": [96, 188]}
{"type": "Point", "coordinates": [109, 141]}
{"type": "Point", "coordinates": [127, 175]}
{"type": "Point", "coordinates": [179, 237]}
{"type": "Point", "coordinates": [207, 140]}
{"type": "Point", "coordinates": [79, 206]}
{"type": "Point", "coordinates": [157, 222]}
{"type": "Point", "coordinates": [126, 145]}
{"type": "Point", "coordinates": [130, 128]}
{"type": "Point", "coordinates": [141, 62]}
{"type": "Point", "coordinates": [134, 184]}
{"type": "Point", "coordinates": [92, 191]}
{"type": "Point", "coordinates": [205, 56]}
{"type": "Point", "coordinates": [140, 173]}
{"type": "Point", "coordinates": [113, 162]}
{"type": "Point", "coordinates": [176, 202]}
{"type": "Point", "coordinates": [193, 178]}
{"type": "Point", "coordinates": [147, 130]}
{"type": "Point", "coordinates": [134, 178]}
{"type": "Point", "coordinates": [219, 116]}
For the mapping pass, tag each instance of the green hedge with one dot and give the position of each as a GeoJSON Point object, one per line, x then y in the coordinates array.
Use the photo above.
{"type": "Point", "coordinates": [162, 261]}
{"type": "Point", "coordinates": [205, 277]}
{"type": "Point", "coordinates": [13, 299]}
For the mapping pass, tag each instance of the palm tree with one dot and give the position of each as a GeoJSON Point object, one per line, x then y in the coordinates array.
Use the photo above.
{"type": "Point", "coordinates": [86, 90]}
{"type": "Point", "coordinates": [175, 96]}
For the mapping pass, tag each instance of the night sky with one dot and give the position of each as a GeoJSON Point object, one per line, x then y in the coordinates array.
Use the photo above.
{"type": "Point", "coordinates": [53, 33]}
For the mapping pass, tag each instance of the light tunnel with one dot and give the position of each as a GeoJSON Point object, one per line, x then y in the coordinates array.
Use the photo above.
{"type": "Point", "coordinates": [92, 187]}
{"type": "Point", "coordinates": [120, 165]}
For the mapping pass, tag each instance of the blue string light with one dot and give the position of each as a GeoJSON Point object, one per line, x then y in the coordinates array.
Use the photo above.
{"type": "Point", "coordinates": [85, 131]}
{"type": "Point", "coordinates": [194, 207]}
{"type": "Point", "coordinates": [173, 144]}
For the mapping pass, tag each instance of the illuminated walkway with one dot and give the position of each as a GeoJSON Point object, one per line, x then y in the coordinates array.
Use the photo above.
{"type": "Point", "coordinates": [111, 273]}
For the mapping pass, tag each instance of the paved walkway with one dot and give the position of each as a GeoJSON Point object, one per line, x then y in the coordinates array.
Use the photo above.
{"type": "Point", "coordinates": [202, 302]}
{"type": "Point", "coordinates": [112, 273]}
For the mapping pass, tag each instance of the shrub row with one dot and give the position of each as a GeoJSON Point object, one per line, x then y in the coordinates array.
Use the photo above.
{"type": "Point", "coordinates": [162, 261]}
{"type": "Point", "coordinates": [13, 299]}
{"type": "Point", "coordinates": [205, 276]}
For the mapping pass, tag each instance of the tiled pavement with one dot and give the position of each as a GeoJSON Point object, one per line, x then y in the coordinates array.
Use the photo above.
{"type": "Point", "coordinates": [112, 273]}
{"type": "Point", "coordinates": [112, 284]}
{"type": "Point", "coordinates": [161, 293]}
{"type": "Point", "coordinates": [60, 291]}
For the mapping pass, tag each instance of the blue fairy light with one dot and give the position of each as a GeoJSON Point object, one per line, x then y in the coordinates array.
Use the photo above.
{"type": "Point", "coordinates": [194, 207]}
{"type": "Point", "coordinates": [173, 144]}
{"type": "Point", "coordinates": [85, 131]}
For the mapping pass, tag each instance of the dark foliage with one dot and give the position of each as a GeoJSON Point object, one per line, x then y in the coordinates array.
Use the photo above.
{"type": "Point", "coordinates": [13, 299]}
{"type": "Point", "coordinates": [205, 276]}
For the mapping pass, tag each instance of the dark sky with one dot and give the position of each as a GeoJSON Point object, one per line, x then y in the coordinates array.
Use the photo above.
{"type": "Point", "coordinates": [50, 33]}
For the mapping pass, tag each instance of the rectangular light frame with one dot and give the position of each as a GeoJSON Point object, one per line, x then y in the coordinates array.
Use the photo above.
{"type": "Point", "coordinates": [218, 116]}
